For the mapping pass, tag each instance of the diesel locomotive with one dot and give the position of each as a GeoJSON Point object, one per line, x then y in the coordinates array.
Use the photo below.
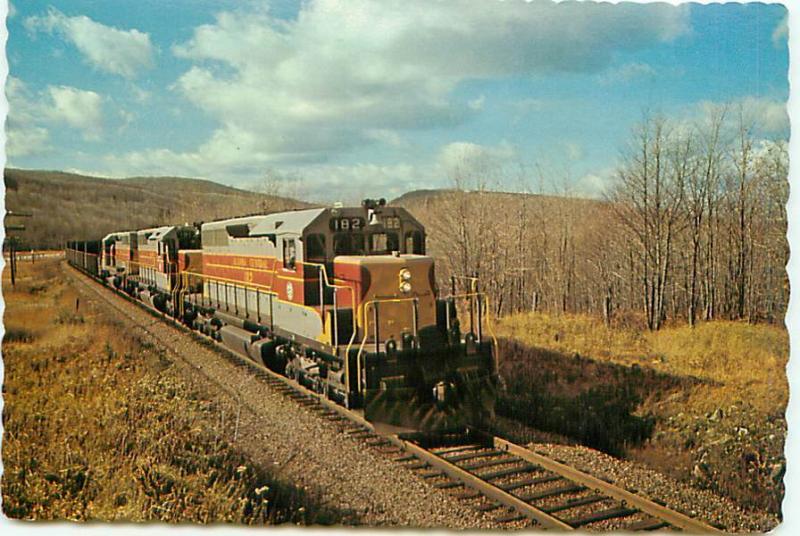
{"type": "Point", "coordinates": [343, 300]}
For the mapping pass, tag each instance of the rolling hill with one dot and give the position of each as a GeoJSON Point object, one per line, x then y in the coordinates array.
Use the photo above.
{"type": "Point", "coordinates": [68, 206]}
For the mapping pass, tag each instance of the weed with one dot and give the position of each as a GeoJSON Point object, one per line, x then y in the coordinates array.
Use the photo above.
{"type": "Point", "coordinates": [120, 436]}
{"type": "Point", "coordinates": [69, 318]}
{"type": "Point", "coordinates": [18, 335]}
{"type": "Point", "coordinates": [703, 404]}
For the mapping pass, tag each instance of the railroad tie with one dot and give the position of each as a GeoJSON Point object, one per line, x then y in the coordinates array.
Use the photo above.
{"type": "Point", "coordinates": [468, 494]}
{"type": "Point", "coordinates": [573, 503]}
{"type": "Point", "coordinates": [486, 463]}
{"type": "Point", "coordinates": [508, 472]}
{"type": "Point", "coordinates": [551, 492]}
{"type": "Point", "coordinates": [448, 484]}
{"type": "Point", "coordinates": [471, 455]}
{"type": "Point", "coordinates": [450, 450]}
{"type": "Point", "coordinates": [602, 515]}
{"type": "Point", "coordinates": [650, 523]}
{"type": "Point", "coordinates": [354, 432]}
{"type": "Point", "coordinates": [529, 482]}
{"type": "Point", "coordinates": [488, 507]}
{"type": "Point", "coordinates": [509, 517]}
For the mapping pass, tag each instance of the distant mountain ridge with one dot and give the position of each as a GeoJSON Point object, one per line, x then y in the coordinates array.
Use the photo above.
{"type": "Point", "coordinates": [70, 206]}
{"type": "Point", "coordinates": [67, 206]}
{"type": "Point", "coordinates": [428, 196]}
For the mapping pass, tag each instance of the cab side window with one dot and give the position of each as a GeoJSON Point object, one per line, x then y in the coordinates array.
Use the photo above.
{"type": "Point", "coordinates": [315, 248]}
{"type": "Point", "coordinates": [289, 254]}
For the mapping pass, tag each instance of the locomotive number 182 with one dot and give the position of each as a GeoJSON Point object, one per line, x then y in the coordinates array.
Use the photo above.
{"type": "Point", "coordinates": [347, 224]}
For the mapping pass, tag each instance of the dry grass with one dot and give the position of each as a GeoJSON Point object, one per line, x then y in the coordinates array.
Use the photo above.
{"type": "Point", "coordinates": [719, 424]}
{"type": "Point", "coordinates": [98, 426]}
{"type": "Point", "coordinates": [748, 360]}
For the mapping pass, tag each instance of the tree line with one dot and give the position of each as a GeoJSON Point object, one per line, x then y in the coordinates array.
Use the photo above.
{"type": "Point", "coordinates": [692, 227]}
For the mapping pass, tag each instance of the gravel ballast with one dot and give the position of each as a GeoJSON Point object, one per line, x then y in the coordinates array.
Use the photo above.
{"type": "Point", "coordinates": [295, 443]}
{"type": "Point", "coordinates": [314, 453]}
{"type": "Point", "coordinates": [702, 504]}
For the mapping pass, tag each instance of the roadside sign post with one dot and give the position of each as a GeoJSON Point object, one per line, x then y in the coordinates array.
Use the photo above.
{"type": "Point", "coordinates": [12, 241]}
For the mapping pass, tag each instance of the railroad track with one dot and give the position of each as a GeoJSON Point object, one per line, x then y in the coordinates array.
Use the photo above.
{"type": "Point", "coordinates": [499, 478]}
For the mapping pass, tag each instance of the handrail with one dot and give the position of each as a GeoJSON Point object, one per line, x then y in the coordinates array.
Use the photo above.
{"type": "Point", "coordinates": [363, 308]}
{"type": "Point", "coordinates": [328, 284]}
{"type": "Point", "coordinates": [489, 322]}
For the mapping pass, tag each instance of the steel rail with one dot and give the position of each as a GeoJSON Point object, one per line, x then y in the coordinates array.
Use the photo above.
{"type": "Point", "coordinates": [450, 469]}
{"type": "Point", "coordinates": [485, 488]}
{"type": "Point", "coordinates": [639, 502]}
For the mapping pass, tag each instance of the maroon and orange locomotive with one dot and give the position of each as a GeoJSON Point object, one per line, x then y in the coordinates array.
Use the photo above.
{"type": "Point", "coordinates": [343, 299]}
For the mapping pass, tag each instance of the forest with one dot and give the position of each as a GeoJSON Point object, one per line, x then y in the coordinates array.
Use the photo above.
{"type": "Point", "coordinates": [692, 228]}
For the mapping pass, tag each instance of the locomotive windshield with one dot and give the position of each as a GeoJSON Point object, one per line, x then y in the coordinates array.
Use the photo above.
{"type": "Point", "coordinates": [348, 244]}
{"type": "Point", "coordinates": [383, 243]}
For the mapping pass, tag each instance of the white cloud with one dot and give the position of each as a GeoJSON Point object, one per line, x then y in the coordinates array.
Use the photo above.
{"type": "Point", "coordinates": [32, 115]}
{"type": "Point", "coordinates": [325, 182]}
{"type": "Point", "coordinates": [77, 108]}
{"type": "Point", "coordinates": [346, 74]}
{"type": "Point", "coordinates": [625, 73]}
{"type": "Point", "coordinates": [594, 185]}
{"type": "Point", "coordinates": [387, 137]}
{"type": "Point", "coordinates": [471, 157]}
{"type": "Point", "coordinates": [477, 104]}
{"type": "Point", "coordinates": [122, 52]}
{"type": "Point", "coordinates": [574, 151]}
{"type": "Point", "coordinates": [352, 183]}
{"type": "Point", "coordinates": [127, 118]}
{"type": "Point", "coordinates": [26, 140]}
{"type": "Point", "coordinates": [781, 32]}
{"type": "Point", "coordinates": [25, 135]}
{"type": "Point", "coordinates": [768, 115]}
{"type": "Point", "coordinates": [139, 94]}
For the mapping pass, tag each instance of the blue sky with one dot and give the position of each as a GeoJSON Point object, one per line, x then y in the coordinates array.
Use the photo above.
{"type": "Point", "coordinates": [365, 98]}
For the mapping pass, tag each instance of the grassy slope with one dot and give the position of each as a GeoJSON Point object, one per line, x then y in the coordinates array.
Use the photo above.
{"type": "Point", "coordinates": [68, 206]}
{"type": "Point", "coordinates": [748, 360]}
{"type": "Point", "coordinates": [724, 429]}
{"type": "Point", "coordinates": [98, 426]}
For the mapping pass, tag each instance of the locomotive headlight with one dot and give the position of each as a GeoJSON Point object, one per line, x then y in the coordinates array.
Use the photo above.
{"type": "Point", "coordinates": [405, 274]}
{"type": "Point", "coordinates": [405, 287]}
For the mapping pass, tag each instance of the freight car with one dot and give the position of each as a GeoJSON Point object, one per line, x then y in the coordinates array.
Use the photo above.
{"type": "Point", "coordinates": [343, 300]}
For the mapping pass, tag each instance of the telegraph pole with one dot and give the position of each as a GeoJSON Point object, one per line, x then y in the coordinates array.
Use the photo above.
{"type": "Point", "coordinates": [12, 242]}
